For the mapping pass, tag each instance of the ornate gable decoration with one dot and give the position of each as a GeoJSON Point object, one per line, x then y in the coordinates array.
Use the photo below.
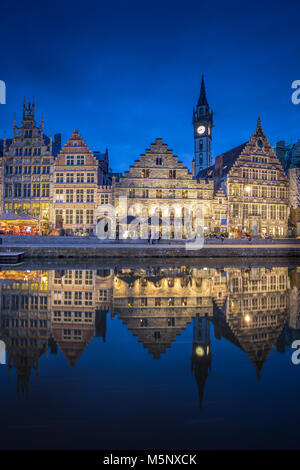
{"type": "Point", "coordinates": [259, 144]}
{"type": "Point", "coordinates": [78, 150]}
{"type": "Point", "coordinates": [76, 145]}
{"type": "Point", "coordinates": [258, 150]}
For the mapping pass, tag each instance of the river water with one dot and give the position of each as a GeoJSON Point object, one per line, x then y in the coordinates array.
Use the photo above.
{"type": "Point", "coordinates": [141, 356]}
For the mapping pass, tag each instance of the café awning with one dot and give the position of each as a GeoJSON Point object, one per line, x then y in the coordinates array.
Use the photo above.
{"type": "Point", "coordinates": [19, 219]}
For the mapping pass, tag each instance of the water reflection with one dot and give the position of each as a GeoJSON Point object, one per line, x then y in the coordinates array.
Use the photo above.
{"type": "Point", "coordinates": [41, 311]}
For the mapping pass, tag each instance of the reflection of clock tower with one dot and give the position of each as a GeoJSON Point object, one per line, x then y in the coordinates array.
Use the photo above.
{"type": "Point", "coordinates": [201, 358]}
{"type": "Point", "coordinates": [203, 123]}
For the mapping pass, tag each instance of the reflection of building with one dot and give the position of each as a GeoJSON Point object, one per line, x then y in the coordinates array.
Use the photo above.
{"type": "Point", "coordinates": [257, 309]}
{"type": "Point", "coordinates": [25, 320]}
{"type": "Point", "coordinates": [256, 187]}
{"type": "Point", "coordinates": [67, 308]}
{"type": "Point", "coordinates": [73, 311]}
{"type": "Point", "coordinates": [201, 356]}
{"type": "Point", "coordinates": [27, 167]}
{"type": "Point", "coordinates": [156, 305]}
{"type": "Point", "coordinates": [80, 301]}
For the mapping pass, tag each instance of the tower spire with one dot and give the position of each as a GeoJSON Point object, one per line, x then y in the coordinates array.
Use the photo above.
{"type": "Point", "coordinates": [202, 98]}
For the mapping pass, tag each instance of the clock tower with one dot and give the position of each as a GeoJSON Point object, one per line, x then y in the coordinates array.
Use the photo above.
{"type": "Point", "coordinates": [203, 123]}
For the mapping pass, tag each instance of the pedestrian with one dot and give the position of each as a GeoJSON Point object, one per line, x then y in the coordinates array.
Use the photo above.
{"type": "Point", "coordinates": [222, 237]}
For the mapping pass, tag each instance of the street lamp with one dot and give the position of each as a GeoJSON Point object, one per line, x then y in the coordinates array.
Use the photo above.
{"type": "Point", "coordinates": [247, 318]}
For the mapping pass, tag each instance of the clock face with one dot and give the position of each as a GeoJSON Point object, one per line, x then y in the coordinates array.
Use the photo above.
{"type": "Point", "coordinates": [201, 130]}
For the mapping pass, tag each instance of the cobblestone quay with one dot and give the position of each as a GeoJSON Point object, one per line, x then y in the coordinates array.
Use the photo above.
{"type": "Point", "coordinates": [91, 247]}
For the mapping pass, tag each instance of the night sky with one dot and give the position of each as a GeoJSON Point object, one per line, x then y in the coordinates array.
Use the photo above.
{"type": "Point", "coordinates": [126, 72]}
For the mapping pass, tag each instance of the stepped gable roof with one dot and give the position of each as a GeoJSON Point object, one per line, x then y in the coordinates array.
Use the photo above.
{"type": "Point", "coordinates": [76, 144]}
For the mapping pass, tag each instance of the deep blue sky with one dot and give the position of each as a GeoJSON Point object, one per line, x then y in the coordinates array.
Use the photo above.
{"type": "Point", "coordinates": [126, 72]}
